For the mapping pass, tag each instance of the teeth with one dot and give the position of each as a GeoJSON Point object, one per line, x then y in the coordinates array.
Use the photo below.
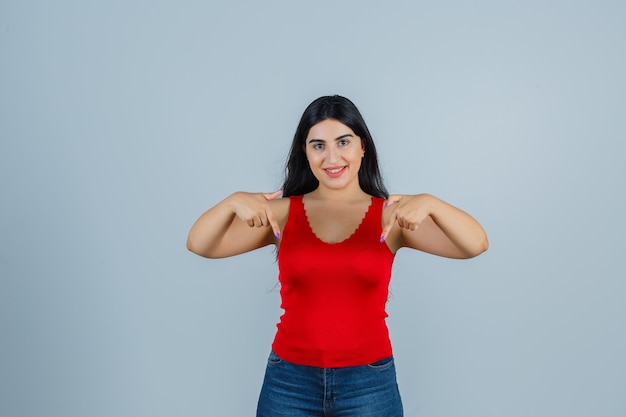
{"type": "Point", "coordinates": [334, 171]}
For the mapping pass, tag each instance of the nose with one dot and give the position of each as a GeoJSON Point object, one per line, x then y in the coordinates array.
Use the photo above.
{"type": "Point", "coordinates": [334, 154]}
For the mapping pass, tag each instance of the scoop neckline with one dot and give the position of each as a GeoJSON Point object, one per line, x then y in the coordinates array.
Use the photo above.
{"type": "Point", "coordinates": [354, 232]}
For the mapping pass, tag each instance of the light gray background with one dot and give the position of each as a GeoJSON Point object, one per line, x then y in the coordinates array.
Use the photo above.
{"type": "Point", "coordinates": [121, 122]}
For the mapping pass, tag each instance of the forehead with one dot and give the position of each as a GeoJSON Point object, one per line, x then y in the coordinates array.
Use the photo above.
{"type": "Point", "coordinates": [329, 129]}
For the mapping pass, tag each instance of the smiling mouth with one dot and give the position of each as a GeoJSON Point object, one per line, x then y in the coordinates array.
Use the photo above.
{"type": "Point", "coordinates": [335, 172]}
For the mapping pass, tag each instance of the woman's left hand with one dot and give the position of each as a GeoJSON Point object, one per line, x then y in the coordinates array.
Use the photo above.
{"type": "Point", "coordinates": [408, 211]}
{"type": "Point", "coordinates": [444, 230]}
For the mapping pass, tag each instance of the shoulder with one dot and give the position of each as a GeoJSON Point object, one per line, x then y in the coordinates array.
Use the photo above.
{"type": "Point", "coordinates": [280, 203]}
{"type": "Point", "coordinates": [280, 209]}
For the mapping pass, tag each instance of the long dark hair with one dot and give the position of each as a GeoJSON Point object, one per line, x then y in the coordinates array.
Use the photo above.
{"type": "Point", "coordinates": [299, 178]}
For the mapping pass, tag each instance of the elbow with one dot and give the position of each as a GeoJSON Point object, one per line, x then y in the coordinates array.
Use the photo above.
{"type": "Point", "coordinates": [205, 252]}
{"type": "Point", "coordinates": [484, 245]}
{"type": "Point", "coordinates": [193, 248]}
{"type": "Point", "coordinates": [189, 245]}
{"type": "Point", "coordinates": [481, 247]}
{"type": "Point", "coordinates": [478, 248]}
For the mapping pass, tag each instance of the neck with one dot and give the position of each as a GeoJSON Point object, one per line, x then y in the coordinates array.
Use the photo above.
{"type": "Point", "coordinates": [329, 194]}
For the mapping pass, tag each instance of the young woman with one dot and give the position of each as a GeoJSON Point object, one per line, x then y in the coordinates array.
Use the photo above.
{"type": "Point", "coordinates": [337, 231]}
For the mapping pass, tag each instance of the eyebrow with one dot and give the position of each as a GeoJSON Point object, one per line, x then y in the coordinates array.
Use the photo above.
{"type": "Point", "coordinates": [347, 135]}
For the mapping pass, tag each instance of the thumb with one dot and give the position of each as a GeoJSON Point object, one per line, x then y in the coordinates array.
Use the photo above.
{"type": "Point", "coordinates": [273, 196]}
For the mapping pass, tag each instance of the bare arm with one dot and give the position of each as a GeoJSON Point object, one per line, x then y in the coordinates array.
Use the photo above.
{"type": "Point", "coordinates": [429, 224]}
{"type": "Point", "coordinates": [240, 223]}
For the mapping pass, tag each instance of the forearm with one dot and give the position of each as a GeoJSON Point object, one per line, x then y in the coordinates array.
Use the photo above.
{"type": "Point", "coordinates": [459, 227]}
{"type": "Point", "coordinates": [209, 230]}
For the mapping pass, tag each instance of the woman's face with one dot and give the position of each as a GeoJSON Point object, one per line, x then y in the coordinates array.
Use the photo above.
{"type": "Point", "coordinates": [334, 152]}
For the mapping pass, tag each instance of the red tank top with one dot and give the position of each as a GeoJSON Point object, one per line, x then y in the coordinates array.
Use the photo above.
{"type": "Point", "coordinates": [333, 295]}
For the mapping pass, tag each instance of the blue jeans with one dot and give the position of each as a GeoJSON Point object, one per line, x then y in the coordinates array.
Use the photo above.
{"type": "Point", "coordinates": [291, 390]}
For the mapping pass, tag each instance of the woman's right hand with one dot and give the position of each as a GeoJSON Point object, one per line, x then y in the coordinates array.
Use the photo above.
{"type": "Point", "coordinates": [238, 224]}
{"type": "Point", "coordinates": [254, 210]}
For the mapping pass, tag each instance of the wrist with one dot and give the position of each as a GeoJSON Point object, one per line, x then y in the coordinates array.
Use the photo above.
{"type": "Point", "coordinates": [231, 201]}
{"type": "Point", "coordinates": [430, 202]}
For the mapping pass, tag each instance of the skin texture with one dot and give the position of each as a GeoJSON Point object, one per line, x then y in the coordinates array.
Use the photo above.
{"type": "Point", "coordinates": [247, 221]}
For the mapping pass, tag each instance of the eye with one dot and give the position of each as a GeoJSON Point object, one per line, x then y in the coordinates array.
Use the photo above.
{"type": "Point", "coordinates": [344, 142]}
{"type": "Point", "coordinates": [318, 146]}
